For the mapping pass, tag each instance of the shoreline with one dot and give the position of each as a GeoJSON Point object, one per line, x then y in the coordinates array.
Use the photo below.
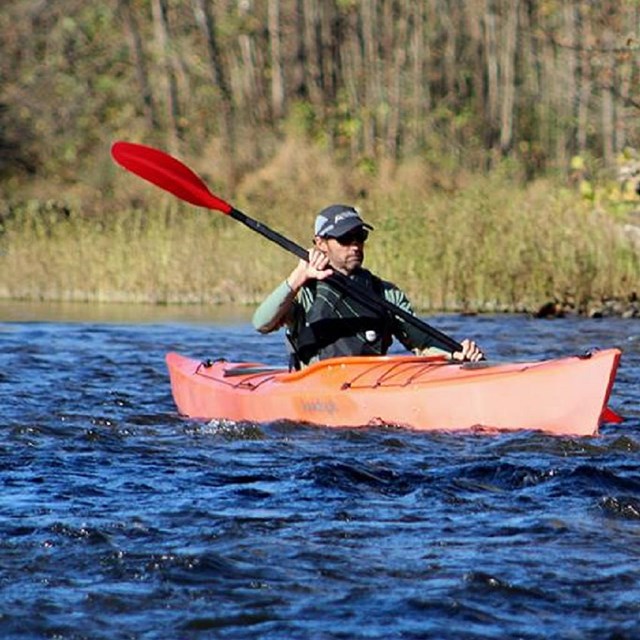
{"type": "Point", "coordinates": [25, 310]}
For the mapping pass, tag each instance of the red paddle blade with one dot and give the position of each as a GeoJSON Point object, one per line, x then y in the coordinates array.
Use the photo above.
{"type": "Point", "coordinates": [168, 173]}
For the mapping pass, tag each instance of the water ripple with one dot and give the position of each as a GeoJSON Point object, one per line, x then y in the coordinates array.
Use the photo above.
{"type": "Point", "coordinates": [120, 519]}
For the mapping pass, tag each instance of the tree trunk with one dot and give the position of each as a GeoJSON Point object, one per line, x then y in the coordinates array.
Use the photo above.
{"type": "Point", "coordinates": [572, 74]}
{"type": "Point", "coordinates": [256, 95]}
{"type": "Point", "coordinates": [420, 94]}
{"type": "Point", "coordinates": [205, 19]}
{"type": "Point", "coordinates": [353, 74]}
{"type": "Point", "coordinates": [508, 78]}
{"type": "Point", "coordinates": [300, 90]}
{"type": "Point", "coordinates": [474, 29]}
{"type": "Point", "coordinates": [142, 74]}
{"type": "Point", "coordinates": [491, 58]}
{"type": "Point", "coordinates": [313, 47]}
{"type": "Point", "coordinates": [585, 83]}
{"type": "Point", "coordinates": [161, 30]}
{"type": "Point", "coordinates": [608, 105]}
{"type": "Point", "coordinates": [277, 73]}
{"type": "Point", "coordinates": [373, 97]}
{"type": "Point", "coordinates": [399, 59]}
{"type": "Point", "coordinates": [449, 62]}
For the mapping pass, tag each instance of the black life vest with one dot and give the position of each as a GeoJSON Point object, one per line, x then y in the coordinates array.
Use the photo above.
{"type": "Point", "coordinates": [336, 325]}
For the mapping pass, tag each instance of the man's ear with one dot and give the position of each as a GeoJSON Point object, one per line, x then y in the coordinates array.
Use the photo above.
{"type": "Point", "coordinates": [321, 243]}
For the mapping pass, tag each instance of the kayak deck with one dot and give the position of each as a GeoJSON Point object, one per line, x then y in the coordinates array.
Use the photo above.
{"type": "Point", "coordinates": [565, 396]}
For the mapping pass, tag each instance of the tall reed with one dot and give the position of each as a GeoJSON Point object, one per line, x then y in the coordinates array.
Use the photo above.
{"type": "Point", "coordinates": [486, 245]}
{"type": "Point", "coordinates": [493, 247]}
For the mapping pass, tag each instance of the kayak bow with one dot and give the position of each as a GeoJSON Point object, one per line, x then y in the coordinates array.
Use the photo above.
{"type": "Point", "coordinates": [564, 396]}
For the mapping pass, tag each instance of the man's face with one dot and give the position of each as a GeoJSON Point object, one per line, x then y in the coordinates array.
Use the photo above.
{"type": "Point", "coordinates": [346, 253]}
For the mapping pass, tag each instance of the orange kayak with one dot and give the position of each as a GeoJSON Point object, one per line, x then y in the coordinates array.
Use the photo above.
{"type": "Point", "coordinates": [565, 396]}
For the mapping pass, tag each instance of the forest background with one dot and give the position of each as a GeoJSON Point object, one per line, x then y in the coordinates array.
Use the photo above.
{"type": "Point", "coordinates": [492, 143]}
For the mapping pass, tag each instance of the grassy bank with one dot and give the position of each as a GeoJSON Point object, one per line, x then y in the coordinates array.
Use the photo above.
{"type": "Point", "coordinates": [480, 243]}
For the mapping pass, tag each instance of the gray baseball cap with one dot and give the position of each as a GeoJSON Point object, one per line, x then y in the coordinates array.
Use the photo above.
{"type": "Point", "coordinates": [337, 220]}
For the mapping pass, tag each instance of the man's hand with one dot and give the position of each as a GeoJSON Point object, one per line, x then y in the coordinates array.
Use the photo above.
{"type": "Point", "coordinates": [471, 352]}
{"type": "Point", "coordinates": [315, 268]}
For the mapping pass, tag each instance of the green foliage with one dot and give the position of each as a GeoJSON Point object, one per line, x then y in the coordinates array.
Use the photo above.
{"type": "Point", "coordinates": [72, 78]}
{"type": "Point", "coordinates": [302, 121]}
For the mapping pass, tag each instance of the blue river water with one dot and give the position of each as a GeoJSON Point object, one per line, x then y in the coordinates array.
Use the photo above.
{"type": "Point", "coordinates": [121, 519]}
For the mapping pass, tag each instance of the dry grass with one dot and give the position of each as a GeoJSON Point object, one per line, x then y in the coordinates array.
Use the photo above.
{"type": "Point", "coordinates": [452, 242]}
{"type": "Point", "coordinates": [494, 247]}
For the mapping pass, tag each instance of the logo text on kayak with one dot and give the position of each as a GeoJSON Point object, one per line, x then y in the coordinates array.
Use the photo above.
{"type": "Point", "coordinates": [318, 405]}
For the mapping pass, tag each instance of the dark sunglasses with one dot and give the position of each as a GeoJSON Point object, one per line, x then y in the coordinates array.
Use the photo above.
{"type": "Point", "coordinates": [360, 237]}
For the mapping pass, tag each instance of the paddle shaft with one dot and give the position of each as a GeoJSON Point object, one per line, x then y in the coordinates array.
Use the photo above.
{"type": "Point", "coordinates": [349, 287]}
{"type": "Point", "coordinates": [174, 176]}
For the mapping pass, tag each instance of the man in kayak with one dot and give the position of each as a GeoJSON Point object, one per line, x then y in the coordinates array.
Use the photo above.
{"type": "Point", "coordinates": [322, 322]}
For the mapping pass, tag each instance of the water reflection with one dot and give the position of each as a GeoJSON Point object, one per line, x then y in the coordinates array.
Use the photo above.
{"type": "Point", "coordinates": [21, 311]}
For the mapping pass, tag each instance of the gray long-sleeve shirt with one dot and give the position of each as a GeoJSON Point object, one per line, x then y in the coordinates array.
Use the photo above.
{"type": "Point", "coordinates": [284, 308]}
